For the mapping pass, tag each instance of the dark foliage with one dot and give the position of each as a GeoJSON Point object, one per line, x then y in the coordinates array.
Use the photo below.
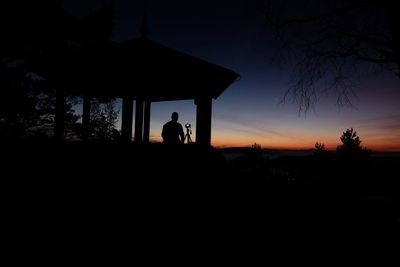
{"type": "Point", "coordinates": [320, 150]}
{"type": "Point", "coordinates": [103, 120]}
{"type": "Point", "coordinates": [351, 144]}
{"type": "Point", "coordinates": [38, 29]}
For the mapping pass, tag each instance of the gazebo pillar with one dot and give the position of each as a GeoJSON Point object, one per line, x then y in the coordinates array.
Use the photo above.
{"type": "Point", "coordinates": [139, 122]}
{"type": "Point", "coordinates": [203, 121]}
{"type": "Point", "coordinates": [146, 129]}
{"type": "Point", "coordinates": [86, 118]}
{"type": "Point", "coordinates": [59, 116]}
{"type": "Point", "coordinates": [127, 116]}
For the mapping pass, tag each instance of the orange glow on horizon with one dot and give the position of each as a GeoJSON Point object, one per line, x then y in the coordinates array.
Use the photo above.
{"type": "Point", "coordinates": [304, 143]}
{"type": "Point", "coordinates": [223, 138]}
{"type": "Point", "coordinates": [378, 146]}
{"type": "Point", "coordinates": [374, 146]}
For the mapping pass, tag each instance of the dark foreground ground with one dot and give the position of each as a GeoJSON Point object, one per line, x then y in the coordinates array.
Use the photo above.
{"type": "Point", "coordinates": [328, 188]}
{"type": "Point", "coordinates": [74, 188]}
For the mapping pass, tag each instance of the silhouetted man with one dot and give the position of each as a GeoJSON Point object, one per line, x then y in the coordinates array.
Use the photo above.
{"type": "Point", "coordinates": [172, 132]}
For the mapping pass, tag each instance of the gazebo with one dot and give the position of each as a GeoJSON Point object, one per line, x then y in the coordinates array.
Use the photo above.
{"type": "Point", "coordinates": [139, 71]}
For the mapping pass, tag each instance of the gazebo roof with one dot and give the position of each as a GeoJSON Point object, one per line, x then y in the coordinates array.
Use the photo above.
{"type": "Point", "coordinates": [139, 68]}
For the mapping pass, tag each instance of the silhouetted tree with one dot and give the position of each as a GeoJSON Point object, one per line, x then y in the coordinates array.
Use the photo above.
{"type": "Point", "coordinates": [27, 109]}
{"type": "Point", "coordinates": [256, 154]}
{"type": "Point", "coordinates": [103, 119]}
{"type": "Point", "coordinates": [319, 149]}
{"type": "Point", "coordinates": [351, 143]}
{"type": "Point", "coordinates": [256, 146]}
{"type": "Point", "coordinates": [331, 40]}
{"type": "Point", "coordinates": [39, 30]}
{"type": "Point", "coordinates": [97, 27]}
{"type": "Point", "coordinates": [319, 146]}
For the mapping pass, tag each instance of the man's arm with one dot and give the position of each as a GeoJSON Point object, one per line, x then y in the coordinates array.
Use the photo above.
{"type": "Point", "coordinates": [163, 132]}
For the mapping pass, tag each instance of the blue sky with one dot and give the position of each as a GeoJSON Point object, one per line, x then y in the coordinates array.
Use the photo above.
{"type": "Point", "coordinates": [234, 34]}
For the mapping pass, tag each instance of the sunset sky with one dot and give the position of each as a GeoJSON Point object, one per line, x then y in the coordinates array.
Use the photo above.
{"type": "Point", "coordinates": [234, 34]}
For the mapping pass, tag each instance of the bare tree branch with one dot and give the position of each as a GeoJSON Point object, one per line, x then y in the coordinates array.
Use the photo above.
{"type": "Point", "coordinates": [329, 42]}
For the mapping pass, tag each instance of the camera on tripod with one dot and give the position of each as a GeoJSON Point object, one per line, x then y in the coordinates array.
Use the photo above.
{"type": "Point", "coordinates": [188, 133]}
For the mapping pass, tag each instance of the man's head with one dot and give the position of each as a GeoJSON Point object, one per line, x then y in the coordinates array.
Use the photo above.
{"type": "Point", "coordinates": [174, 116]}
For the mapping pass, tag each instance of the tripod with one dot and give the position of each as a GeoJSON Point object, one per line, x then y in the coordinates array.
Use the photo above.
{"type": "Point", "coordinates": [187, 136]}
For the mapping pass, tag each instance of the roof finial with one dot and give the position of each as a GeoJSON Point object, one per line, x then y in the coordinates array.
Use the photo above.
{"type": "Point", "coordinates": [144, 29]}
